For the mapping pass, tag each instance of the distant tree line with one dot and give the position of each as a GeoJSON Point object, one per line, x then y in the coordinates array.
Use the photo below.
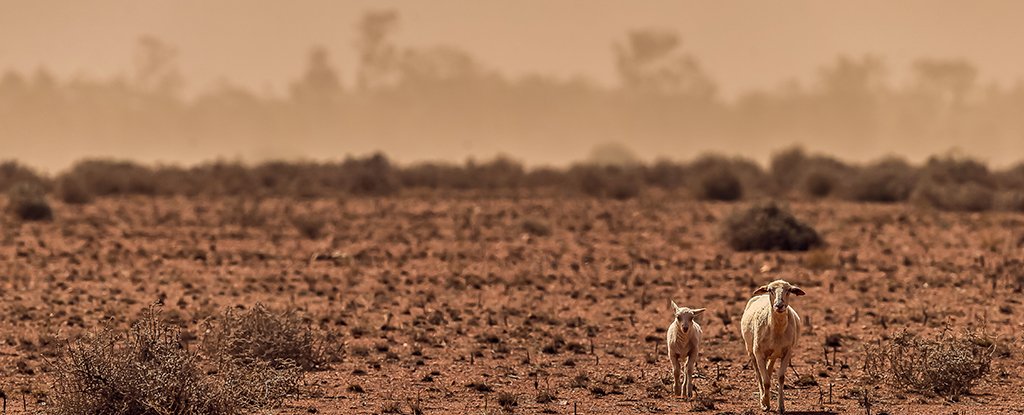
{"type": "Point", "coordinates": [428, 101]}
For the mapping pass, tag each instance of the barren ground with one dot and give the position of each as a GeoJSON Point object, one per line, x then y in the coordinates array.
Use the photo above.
{"type": "Point", "coordinates": [451, 302]}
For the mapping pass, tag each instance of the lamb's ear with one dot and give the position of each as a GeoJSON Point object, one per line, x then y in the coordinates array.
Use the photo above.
{"type": "Point", "coordinates": [674, 306]}
{"type": "Point", "coordinates": [761, 290]}
{"type": "Point", "coordinates": [697, 311]}
{"type": "Point", "coordinates": [796, 291]}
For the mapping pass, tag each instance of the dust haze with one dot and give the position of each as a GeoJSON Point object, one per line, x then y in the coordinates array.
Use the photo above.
{"type": "Point", "coordinates": [541, 82]}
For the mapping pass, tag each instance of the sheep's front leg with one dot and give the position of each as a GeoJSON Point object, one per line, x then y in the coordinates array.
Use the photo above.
{"type": "Point", "coordinates": [691, 363]}
{"type": "Point", "coordinates": [768, 373]}
{"type": "Point", "coordinates": [782, 380]}
{"type": "Point", "coordinates": [676, 387]}
{"type": "Point", "coordinates": [762, 379]}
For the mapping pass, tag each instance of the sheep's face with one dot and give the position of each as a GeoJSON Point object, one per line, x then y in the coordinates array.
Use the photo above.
{"type": "Point", "coordinates": [684, 316]}
{"type": "Point", "coordinates": [778, 294]}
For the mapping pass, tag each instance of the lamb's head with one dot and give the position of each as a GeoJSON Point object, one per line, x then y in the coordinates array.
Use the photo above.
{"type": "Point", "coordinates": [778, 294]}
{"type": "Point", "coordinates": [684, 316]}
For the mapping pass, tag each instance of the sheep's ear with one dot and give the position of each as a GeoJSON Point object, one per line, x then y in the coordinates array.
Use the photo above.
{"type": "Point", "coordinates": [697, 311]}
{"type": "Point", "coordinates": [797, 291]}
{"type": "Point", "coordinates": [761, 290]}
{"type": "Point", "coordinates": [674, 306]}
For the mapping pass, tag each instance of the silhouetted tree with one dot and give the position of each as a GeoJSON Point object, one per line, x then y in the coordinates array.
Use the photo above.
{"type": "Point", "coordinates": [319, 85]}
{"type": "Point", "coordinates": [950, 80]}
{"type": "Point", "coordinates": [378, 56]}
{"type": "Point", "coordinates": [650, 61]}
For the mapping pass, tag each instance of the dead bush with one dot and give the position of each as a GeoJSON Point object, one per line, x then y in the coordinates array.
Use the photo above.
{"type": "Point", "coordinates": [13, 173]}
{"type": "Point", "coordinates": [146, 370]}
{"type": "Point", "coordinates": [966, 197]}
{"type": "Point", "coordinates": [720, 183]}
{"type": "Point", "coordinates": [815, 175]}
{"type": "Point", "coordinates": [956, 184]}
{"type": "Point", "coordinates": [280, 338]}
{"type": "Point", "coordinates": [536, 226]}
{"type": "Point", "coordinates": [1012, 201]}
{"type": "Point", "coordinates": [767, 227]}
{"type": "Point", "coordinates": [310, 225]}
{"type": "Point", "coordinates": [666, 174]}
{"type": "Point", "coordinates": [371, 176]}
{"type": "Point", "coordinates": [714, 177]}
{"type": "Point", "coordinates": [945, 365]}
{"type": "Point", "coordinates": [614, 182]}
{"type": "Point", "coordinates": [73, 191]}
{"type": "Point", "coordinates": [886, 181]}
{"type": "Point", "coordinates": [27, 201]}
{"type": "Point", "coordinates": [110, 177]}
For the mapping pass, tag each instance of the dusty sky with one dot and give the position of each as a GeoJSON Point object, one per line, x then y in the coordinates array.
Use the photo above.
{"type": "Point", "coordinates": [744, 44]}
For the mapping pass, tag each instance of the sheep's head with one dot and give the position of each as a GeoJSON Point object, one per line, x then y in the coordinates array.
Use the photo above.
{"type": "Point", "coordinates": [684, 316]}
{"type": "Point", "coordinates": [778, 294]}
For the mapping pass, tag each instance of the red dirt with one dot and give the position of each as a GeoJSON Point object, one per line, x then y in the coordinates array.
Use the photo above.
{"type": "Point", "coordinates": [458, 287]}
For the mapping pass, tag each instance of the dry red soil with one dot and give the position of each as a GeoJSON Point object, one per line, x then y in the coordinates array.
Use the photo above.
{"type": "Point", "coordinates": [451, 303]}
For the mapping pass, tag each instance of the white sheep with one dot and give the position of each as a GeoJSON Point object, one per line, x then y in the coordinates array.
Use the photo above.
{"type": "Point", "coordinates": [771, 329]}
{"type": "Point", "coordinates": [684, 342]}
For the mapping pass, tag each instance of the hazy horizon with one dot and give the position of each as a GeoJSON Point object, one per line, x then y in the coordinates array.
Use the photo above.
{"type": "Point", "coordinates": [742, 46]}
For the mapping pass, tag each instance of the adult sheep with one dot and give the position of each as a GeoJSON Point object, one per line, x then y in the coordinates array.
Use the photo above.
{"type": "Point", "coordinates": [770, 330]}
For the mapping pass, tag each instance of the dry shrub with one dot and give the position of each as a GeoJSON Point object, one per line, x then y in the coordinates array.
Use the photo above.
{"type": "Point", "coordinates": [666, 174]}
{"type": "Point", "coordinates": [720, 183]}
{"type": "Point", "coordinates": [280, 338]}
{"type": "Point", "coordinates": [73, 191]}
{"type": "Point", "coordinates": [27, 201]}
{"type": "Point", "coordinates": [727, 179]}
{"type": "Point", "coordinates": [767, 227]}
{"type": "Point", "coordinates": [815, 175]}
{"type": "Point", "coordinates": [110, 177]}
{"type": "Point", "coordinates": [371, 176]}
{"type": "Point", "coordinates": [13, 173]}
{"type": "Point", "coordinates": [1012, 200]}
{"type": "Point", "coordinates": [945, 365]}
{"type": "Point", "coordinates": [536, 226]}
{"type": "Point", "coordinates": [889, 180]}
{"type": "Point", "coordinates": [613, 182]}
{"type": "Point", "coordinates": [310, 225]}
{"type": "Point", "coordinates": [147, 370]}
{"type": "Point", "coordinates": [966, 197]}
{"type": "Point", "coordinates": [956, 184]}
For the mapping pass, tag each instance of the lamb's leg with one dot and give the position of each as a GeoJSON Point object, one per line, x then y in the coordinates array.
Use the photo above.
{"type": "Point", "coordinates": [691, 363]}
{"type": "Point", "coordinates": [762, 379]}
{"type": "Point", "coordinates": [676, 387]}
{"type": "Point", "coordinates": [782, 380]}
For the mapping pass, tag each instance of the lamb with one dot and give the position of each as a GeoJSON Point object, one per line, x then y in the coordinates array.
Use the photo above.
{"type": "Point", "coordinates": [770, 330]}
{"type": "Point", "coordinates": [684, 342]}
